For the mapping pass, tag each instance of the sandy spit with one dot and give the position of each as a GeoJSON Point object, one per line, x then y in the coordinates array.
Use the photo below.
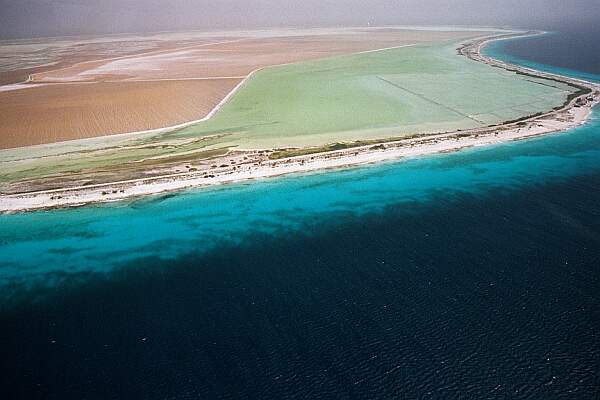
{"type": "Point", "coordinates": [574, 114]}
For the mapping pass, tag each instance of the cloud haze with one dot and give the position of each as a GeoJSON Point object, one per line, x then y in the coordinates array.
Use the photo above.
{"type": "Point", "coordinates": [27, 18]}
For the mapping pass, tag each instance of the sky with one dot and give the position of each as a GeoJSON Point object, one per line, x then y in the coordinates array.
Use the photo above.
{"type": "Point", "coordinates": [34, 18]}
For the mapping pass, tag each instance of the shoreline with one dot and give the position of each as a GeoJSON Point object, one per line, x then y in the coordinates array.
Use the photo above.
{"type": "Point", "coordinates": [259, 164]}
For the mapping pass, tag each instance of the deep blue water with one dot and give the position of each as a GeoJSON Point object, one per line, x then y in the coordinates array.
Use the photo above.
{"type": "Point", "coordinates": [466, 275]}
{"type": "Point", "coordinates": [570, 50]}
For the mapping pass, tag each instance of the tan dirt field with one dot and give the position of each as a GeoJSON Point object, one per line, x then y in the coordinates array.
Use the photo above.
{"type": "Point", "coordinates": [52, 113]}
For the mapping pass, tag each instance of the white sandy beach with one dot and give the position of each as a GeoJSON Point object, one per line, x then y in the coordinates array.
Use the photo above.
{"type": "Point", "coordinates": [303, 164]}
{"type": "Point", "coordinates": [572, 115]}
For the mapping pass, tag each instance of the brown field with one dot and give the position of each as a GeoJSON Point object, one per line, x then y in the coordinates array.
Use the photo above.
{"type": "Point", "coordinates": [162, 82]}
{"type": "Point", "coordinates": [54, 113]}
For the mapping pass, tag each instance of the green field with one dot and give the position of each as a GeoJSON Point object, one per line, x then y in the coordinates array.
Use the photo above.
{"type": "Point", "coordinates": [392, 93]}
{"type": "Point", "coordinates": [396, 92]}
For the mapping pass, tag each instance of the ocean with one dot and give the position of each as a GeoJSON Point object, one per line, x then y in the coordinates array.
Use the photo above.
{"type": "Point", "coordinates": [465, 275]}
{"type": "Point", "coordinates": [569, 50]}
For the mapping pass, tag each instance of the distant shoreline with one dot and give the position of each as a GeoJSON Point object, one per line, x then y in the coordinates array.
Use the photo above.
{"type": "Point", "coordinates": [266, 163]}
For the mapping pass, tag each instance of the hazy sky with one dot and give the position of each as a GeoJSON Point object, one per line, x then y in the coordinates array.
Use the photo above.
{"type": "Point", "coordinates": [27, 18]}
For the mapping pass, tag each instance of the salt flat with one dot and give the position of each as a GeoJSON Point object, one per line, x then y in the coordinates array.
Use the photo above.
{"type": "Point", "coordinates": [424, 88]}
{"type": "Point", "coordinates": [150, 62]}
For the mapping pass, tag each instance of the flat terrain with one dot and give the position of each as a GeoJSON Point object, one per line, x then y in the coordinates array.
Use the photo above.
{"type": "Point", "coordinates": [21, 58]}
{"type": "Point", "coordinates": [395, 93]}
{"type": "Point", "coordinates": [46, 111]}
{"type": "Point", "coordinates": [60, 112]}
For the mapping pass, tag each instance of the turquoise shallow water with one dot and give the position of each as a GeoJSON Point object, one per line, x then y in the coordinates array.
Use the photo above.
{"type": "Point", "coordinates": [49, 246]}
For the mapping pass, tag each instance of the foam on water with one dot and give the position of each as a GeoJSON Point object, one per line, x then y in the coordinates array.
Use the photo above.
{"type": "Point", "coordinates": [548, 51]}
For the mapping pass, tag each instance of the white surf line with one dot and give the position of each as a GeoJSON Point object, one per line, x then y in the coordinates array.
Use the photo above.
{"type": "Point", "coordinates": [194, 179]}
{"type": "Point", "coordinates": [486, 40]}
{"type": "Point", "coordinates": [115, 191]}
